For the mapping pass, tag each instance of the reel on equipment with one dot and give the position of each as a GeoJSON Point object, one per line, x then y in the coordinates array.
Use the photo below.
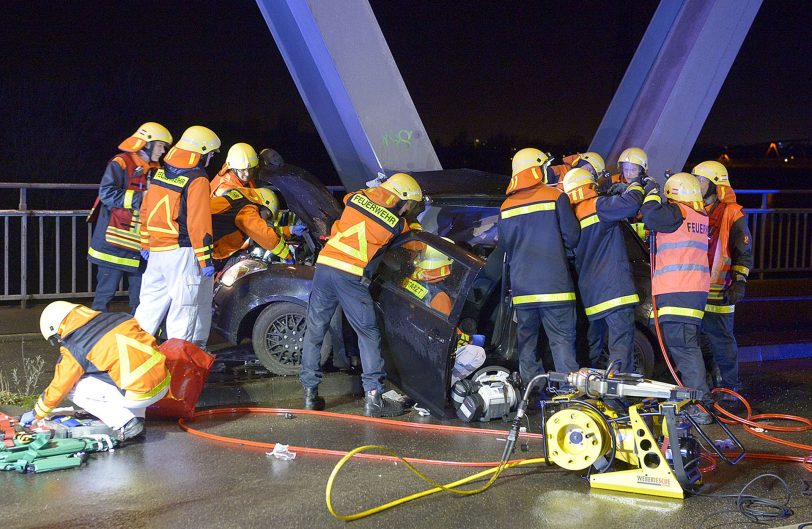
{"type": "Point", "coordinates": [488, 395]}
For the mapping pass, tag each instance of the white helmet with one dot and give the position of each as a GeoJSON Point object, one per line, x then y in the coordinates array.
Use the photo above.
{"type": "Point", "coordinates": [52, 317]}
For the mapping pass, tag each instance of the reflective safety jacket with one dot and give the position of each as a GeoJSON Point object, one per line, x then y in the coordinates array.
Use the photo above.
{"type": "Point", "coordinates": [604, 273]}
{"type": "Point", "coordinates": [109, 346]}
{"type": "Point", "coordinates": [116, 241]}
{"type": "Point", "coordinates": [537, 229]}
{"type": "Point", "coordinates": [236, 217]}
{"type": "Point", "coordinates": [367, 224]}
{"type": "Point", "coordinates": [176, 211]}
{"type": "Point", "coordinates": [225, 181]}
{"type": "Point", "coordinates": [730, 251]}
{"type": "Point", "coordinates": [681, 276]}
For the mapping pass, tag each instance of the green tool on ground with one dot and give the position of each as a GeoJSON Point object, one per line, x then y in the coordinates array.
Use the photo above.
{"type": "Point", "coordinates": [43, 454]}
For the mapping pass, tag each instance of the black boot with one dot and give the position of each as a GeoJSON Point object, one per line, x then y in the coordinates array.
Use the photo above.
{"type": "Point", "coordinates": [377, 406]}
{"type": "Point", "coordinates": [131, 430]}
{"type": "Point", "coordinates": [312, 401]}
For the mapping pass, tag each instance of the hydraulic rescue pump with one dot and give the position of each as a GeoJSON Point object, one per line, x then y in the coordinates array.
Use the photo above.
{"type": "Point", "coordinates": [632, 434]}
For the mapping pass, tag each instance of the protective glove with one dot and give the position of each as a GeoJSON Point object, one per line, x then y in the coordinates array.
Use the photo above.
{"type": "Point", "coordinates": [478, 340]}
{"type": "Point", "coordinates": [145, 255]}
{"type": "Point", "coordinates": [27, 418]}
{"type": "Point", "coordinates": [617, 188]}
{"type": "Point", "coordinates": [298, 229]}
{"type": "Point", "coordinates": [208, 271]}
{"type": "Point", "coordinates": [289, 259]}
{"type": "Point", "coordinates": [651, 186]}
{"type": "Point", "coordinates": [735, 292]}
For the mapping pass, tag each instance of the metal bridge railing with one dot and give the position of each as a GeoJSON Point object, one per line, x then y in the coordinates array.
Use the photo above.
{"type": "Point", "coordinates": [45, 251]}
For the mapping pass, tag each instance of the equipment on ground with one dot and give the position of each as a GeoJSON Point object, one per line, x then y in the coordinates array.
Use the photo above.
{"type": "Point", "coordinates": [597, 427]}
{"type": "Point", "coordinates": [59, 443]}
{"type": "Point", "coordinates": [489, 394]}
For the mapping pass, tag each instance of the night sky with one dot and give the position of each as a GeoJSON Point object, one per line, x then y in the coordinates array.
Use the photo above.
{"type": "Point", "coordinates": [77, 77]}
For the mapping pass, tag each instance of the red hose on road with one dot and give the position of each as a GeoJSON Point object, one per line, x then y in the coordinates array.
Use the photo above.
{"type": "Point", "coordinates": [358, 418]}
{"type": "Point", "coordinates": [749, 422]}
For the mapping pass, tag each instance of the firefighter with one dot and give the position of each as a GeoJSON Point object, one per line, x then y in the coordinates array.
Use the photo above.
{"type": "Point", "coordinates": [591, 161]}
{"type": "Point", "coordinates": [108, 366]}
{"type": "Point", "coordinates": [115, 244]}
{"type": "Point", "coordinates": [632, 165]}
{"type": "Point", "coordinates": [176, 238]}
{"type": "Point", "coordinates": [242, 213]}
{"type": "Point", "coordinates": [537, 230]}
{"type": "Point", "coordinates": [239, 170]}
{"type": "Point", "coordinates": [681, 276]}
{"type": "Point", "coordinates": [602, 263]}
{"type": "Point", "coordinates": [428, 283]}
{"type": "Point", "coordinates": [730, 256]}
{"type": "Point", "coordinates": [371, 218]}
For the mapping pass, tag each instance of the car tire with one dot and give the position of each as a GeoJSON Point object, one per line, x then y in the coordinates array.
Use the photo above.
{"type": "Point", "coordinates": [278, 338]}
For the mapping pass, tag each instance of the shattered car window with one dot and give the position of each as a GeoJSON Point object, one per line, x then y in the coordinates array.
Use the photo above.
{"type": "Point", "coordinates": [423, 274]}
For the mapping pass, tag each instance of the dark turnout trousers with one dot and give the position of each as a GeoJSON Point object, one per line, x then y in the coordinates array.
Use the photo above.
{"type": "Point", "coordinates": [618, 325]}
{"type": "Point", "coordinates": [559, 325]}
{"type": "Point", "coordinates": [682, 341]}
{"type": "Point", "coordinates": [717, 330]}
{"type": "Point", "coordinates": [333, 288]}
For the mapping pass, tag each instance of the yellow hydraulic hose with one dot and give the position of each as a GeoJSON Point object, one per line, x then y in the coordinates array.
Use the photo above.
{"type": "Point", "coordinates": [448, 487]}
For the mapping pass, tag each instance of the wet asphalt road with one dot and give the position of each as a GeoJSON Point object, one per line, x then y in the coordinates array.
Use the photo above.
{"type": "Point", "coordinates": [174, 479]}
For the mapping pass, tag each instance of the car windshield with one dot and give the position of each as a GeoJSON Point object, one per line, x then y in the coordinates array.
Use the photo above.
{"type": "Point", "coordinates": [472, 227]}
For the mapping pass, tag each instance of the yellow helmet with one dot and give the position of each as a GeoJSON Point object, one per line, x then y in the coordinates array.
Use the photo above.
{"type": "Point", "coordinates": [576, 178]}
{"type": "Point", "coordinates": [528, 157]}
{"type": "Point", "coordinates": [241, 156]}
{"type": "Point", "coordinates": [199, 139]}
{"type": "Point", "coordinates": [683, 187]}
{"type": "Point", "coordinates": [595, 160]}
{"type": "Point", "coordinates": [713, 171]}
{"type": "Point", "coordinates": [433, 264]}
{"type": "Point", "coordinates": [52, 317]}
{"type": "Point", "coordinates": [267, 198]}
{"type": "Point", "coordinates": [634, 155]}
{"type": "Point", "coordinates": [404, 186]}
{"type": "Point", "coordinates": [149, 131]}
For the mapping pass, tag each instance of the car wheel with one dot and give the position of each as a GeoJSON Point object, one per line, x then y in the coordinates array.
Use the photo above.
{"type": "Point", "coordinates": [278, 338]}
{"type": "Point", "coordinates": [643, 359]}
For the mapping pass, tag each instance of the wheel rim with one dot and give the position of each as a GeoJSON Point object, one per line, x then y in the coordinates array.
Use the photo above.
{"type": "Point", "coordinates": [284, 339]}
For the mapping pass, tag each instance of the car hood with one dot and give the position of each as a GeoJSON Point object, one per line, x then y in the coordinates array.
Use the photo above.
{"type": "Point", "coordinates": [305, 196]}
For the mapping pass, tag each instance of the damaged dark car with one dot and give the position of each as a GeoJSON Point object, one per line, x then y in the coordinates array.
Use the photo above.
{"type": "Point", "coordinates": [266, 302]}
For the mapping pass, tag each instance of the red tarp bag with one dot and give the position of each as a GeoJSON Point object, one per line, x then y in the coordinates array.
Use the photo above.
{"type": "Point", "coordinates": [189, 366]}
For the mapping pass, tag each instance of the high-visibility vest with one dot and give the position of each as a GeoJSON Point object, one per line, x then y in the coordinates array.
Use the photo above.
{"type": "Point", "coordinates": [682, 256]}
{"type": "Point", "coordinates": [721, 220]}
{"type": "Point", "coordinates": [366, 225]}
{"type": "Point", "coordinates": [110, 346]}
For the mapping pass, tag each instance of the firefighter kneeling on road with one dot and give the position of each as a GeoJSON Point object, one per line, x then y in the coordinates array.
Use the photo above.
{"type": "Point", "coordinates": [109, 366]}
{"type": "Point", "coordinates": [681, 275]}
{"type": "Point", "coordinates": [371, 219]}
{"type": "Point", "coordinates": [243, 213]}
{"type": "Point", "coordinates": [730, 255]}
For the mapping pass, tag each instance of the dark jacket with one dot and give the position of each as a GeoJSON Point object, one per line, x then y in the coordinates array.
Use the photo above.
{"type": "Point", "coordinates": [604, 274]}
{"type": "Point", "coordinates": [538, 229]}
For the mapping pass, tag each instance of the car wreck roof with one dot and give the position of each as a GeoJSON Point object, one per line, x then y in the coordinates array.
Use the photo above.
{"type": "Point", "coordinates": [457, 182]}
